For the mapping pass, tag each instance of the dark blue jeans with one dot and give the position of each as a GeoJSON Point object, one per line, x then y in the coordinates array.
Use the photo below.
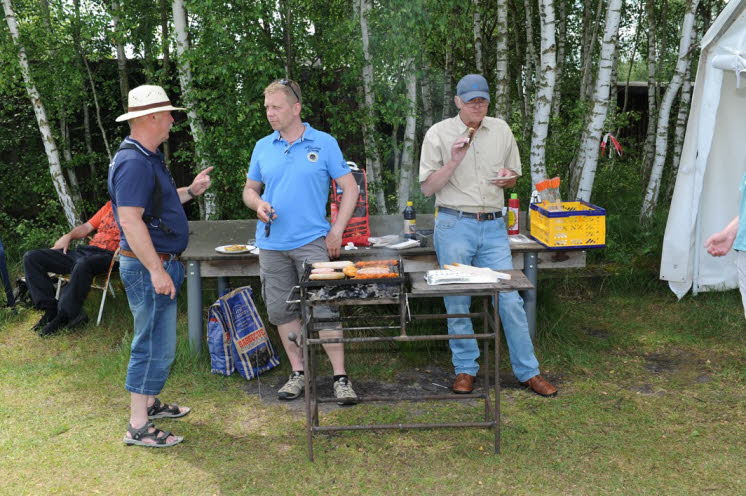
{"type": "Point", "coordinates": [154, 341]}
{"type": "Point", "coordinates": [6, 279]}
{"type": "Point", "coordinates": [82, 264]}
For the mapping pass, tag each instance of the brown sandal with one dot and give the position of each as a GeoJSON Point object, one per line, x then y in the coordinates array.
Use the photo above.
{"type": "Point", "coordinates": [157, 436]}
{"type": "Point", "coordinates": [164, 410]}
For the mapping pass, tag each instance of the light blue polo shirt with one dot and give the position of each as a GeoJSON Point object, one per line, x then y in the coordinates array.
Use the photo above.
{"type": "Point", "coordinates": [296, 183]}
{"type": "Point", "coordinates": [740, 243]}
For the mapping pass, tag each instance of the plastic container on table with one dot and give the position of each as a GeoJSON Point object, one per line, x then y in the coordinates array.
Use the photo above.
{"type": "Point", "coordinates": [575, 224]}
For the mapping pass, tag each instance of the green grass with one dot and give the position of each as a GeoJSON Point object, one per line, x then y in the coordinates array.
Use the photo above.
{"type": "Point", "coordinates": [652, 395]}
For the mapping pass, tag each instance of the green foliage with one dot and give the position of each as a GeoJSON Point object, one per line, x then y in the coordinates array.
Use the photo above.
{"type": "Point", "coordinates": [237, 49]}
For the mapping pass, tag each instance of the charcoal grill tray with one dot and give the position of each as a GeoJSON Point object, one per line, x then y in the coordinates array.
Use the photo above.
{"type": "Point", "coordinates": [389, 281]}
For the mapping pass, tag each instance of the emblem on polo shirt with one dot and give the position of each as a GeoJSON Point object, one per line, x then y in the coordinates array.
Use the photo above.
{"type": "Point", "coordinates": [312, 156]}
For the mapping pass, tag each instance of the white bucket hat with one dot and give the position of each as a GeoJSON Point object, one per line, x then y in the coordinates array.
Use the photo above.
{"type": "Point", "coordinates": [144, 100]}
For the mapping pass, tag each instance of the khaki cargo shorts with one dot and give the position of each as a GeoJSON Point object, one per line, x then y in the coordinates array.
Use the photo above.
{"type": "Point", "coordinates": [280, 272]}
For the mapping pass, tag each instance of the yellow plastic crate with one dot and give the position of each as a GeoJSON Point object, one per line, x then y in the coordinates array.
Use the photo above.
{"type": "Point", "coordinates": [577, 225]}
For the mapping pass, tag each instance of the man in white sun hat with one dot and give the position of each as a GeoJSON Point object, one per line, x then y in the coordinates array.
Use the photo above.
{"type": "Point", "coordinates": [147, 208]}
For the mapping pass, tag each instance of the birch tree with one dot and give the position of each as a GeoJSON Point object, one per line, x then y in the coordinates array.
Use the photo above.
{"type": "Point", "coordinates": [590, 145]}
{"type": "Point", "coordinates": [544, 92]}
{"type": "Point", "coordinates": [502, 84]}
{"type": "Point", "coordinates": [372, 157]}
{"type": "Point", "coordinates": [124, 88]}
{"type": "Point", "coordinates": [407, 156]}
{"type": "Point", "coordinates": [661, 139]}
{"type": "Point", "coordinates": [477, 37]}
{"type": "Point", "coordinates": [530, 66]}
{"type": "Point", "coordinates": [561, 43]}
{"type": "Point", "coordinates": [649, 149]}
{"type": "Point", "coordinates": [590, 35]}
{"type": "Point", "coordinates": [209, 210]}
{"type": "Point", "coordinates": [681, 118]}
{"type": "Point", "coordinates": [50, 147]}
{"type": "Point", "coordinates": [87, 71]}
{"type": "Point", "coordinates": [447, 82]}
{"type": "Point", "coordinates": [427, 100]}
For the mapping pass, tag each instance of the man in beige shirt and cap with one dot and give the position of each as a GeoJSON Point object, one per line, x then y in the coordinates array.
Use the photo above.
{"type": "Point", "coordinates": [466, 162]}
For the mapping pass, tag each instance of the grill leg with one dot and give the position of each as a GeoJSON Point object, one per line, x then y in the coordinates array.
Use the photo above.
{"type": "Point", "coordinates": [496, 317]}
{"type": "Point", "coordinates": [486, 361]}
{"type": "Point", "coordinates": [305, 331]}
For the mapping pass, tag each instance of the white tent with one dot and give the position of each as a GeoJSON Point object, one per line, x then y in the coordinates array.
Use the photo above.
{"type": "Point", "coordinates": [713, 160]}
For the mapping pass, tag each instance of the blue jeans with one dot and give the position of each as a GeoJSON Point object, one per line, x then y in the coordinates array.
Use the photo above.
{"type": "Point", "coordinates": [483, 244]}
{"type": "Point", "coordinates": [154, 341]}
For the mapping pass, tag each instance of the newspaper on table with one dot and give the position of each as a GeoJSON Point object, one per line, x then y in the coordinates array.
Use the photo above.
{"type": "Point", "coordinates": [464, 274]}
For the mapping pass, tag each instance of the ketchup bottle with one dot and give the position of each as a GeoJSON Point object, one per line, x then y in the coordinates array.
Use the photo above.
{"type": "Point", "coordinates": [513, 209]}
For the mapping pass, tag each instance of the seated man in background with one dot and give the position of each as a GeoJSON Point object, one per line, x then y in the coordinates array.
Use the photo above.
{"type": "Point", "coordinates": [82, 264]}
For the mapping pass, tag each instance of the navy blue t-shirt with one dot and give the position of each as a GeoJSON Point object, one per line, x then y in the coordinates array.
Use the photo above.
{"type": "Point", "coordinates": [132, 176]}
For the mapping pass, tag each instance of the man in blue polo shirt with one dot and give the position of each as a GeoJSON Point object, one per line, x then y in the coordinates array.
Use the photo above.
{"type": "Point", "coordinates": [293, 166]}
{"type": "Point", "coordinates": [147, 208]}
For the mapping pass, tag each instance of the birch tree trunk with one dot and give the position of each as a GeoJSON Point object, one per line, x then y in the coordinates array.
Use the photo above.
{"type": "Point", "coordinates": [502, 84]}
{"type": "Point", "coordinates": [89, 141]}
{"type": "Point", "coordinates": [165, 40]}
{"type": "Point", "coordinates": [448, 91]}
{"type": "Point", "coordinates": [590, 35]}
{"type": "Point", "coordinates": [661, 140]}
{"type": "Point", "coordinates": [561, 42]}
{"type": "Point", "coordinates": [681, 118]}
{"type": "Point", "coordinates": [372, 157]}
{"type": "Point", "coordinates": [407, 155]}
{"type": "Point", "coordinates": [600, 109]}
{"type": "Point", "coordinates": [678, 140]}
{"type": "Point", "coordinates": [427, 101]}
{"type": "Point", "coordinates": [67, 154]}
{"type": "Point", "coordinates": [530, 66]}
{"type": "Point", "coordinates": [477, 38]}
{"type": "Point", "coordinates": [50, 147]}
{"type": "Point", "coordinates": [124, 87]}
{"type": "Point", "coordinates": [649, 149]}
{"type": "Point", "coordinates": [209, 209]}
{"type": "Point", "coordinates": [544, 92]}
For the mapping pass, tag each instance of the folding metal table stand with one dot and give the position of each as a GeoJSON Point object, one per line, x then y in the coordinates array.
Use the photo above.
{"type": "Point", "coordinates": [419, 289]}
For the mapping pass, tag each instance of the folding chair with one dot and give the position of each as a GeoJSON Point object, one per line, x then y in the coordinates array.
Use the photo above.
{"type": "Point", "coordinates": [106, 287]}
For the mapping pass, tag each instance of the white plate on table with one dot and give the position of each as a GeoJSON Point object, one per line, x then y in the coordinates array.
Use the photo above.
{"type": "Point", "coordinates": [244, 249]}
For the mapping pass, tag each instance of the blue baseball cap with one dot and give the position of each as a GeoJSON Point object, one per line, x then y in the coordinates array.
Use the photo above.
{"type": "Point", "coordinates": [473, 86]}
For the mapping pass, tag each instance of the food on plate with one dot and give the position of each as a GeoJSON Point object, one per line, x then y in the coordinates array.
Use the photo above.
{"type": "Point", "coordinates": [322, 270]}
{"type": "Point", "coordinates": [339, 264]}
{"type": "Point", "coordinates": [329, 276]}
{"type": "Point", "coordinates": [376, 263]}
{"type": "Point", "coordinates": [235, 248]}
{"type": "Point", "coordinates": [376, 276]}
{"type": "Point", "coordinates": [374, 270]}
{"type": "Point", "coordinates": [350, 271]}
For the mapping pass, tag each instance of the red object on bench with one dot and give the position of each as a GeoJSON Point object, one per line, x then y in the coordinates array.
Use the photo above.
{"type": "Point", "coordinates": [358, 228]}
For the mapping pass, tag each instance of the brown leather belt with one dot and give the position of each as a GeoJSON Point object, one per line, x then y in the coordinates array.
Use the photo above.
{"type": "Point", "coordinates": [481, 216]}
{"type": "Point", "coordinates": [165, 257]}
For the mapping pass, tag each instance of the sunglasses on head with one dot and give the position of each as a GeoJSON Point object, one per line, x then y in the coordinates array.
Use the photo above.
{"type": "Point", "coordinates": [289, 84]}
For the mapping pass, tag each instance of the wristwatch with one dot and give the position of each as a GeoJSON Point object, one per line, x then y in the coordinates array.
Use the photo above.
{"type": "Point", "coordinates": [189, 192]}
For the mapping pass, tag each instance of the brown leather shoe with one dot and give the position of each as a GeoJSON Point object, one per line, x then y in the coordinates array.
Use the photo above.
{"type": "Point", "coordinates": [464, 384]}
{"type": "Point", "coordinates": [540, 386]}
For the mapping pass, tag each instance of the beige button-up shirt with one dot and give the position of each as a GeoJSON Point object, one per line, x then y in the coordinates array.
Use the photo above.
{"type": "Point", "coordinates": [493, 148]}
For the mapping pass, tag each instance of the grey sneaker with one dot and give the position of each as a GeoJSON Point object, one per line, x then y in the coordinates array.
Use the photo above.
{"type": "Point", "coordinates": [293, 388]}
{"type": "Point", "coordinates": [344, 393]}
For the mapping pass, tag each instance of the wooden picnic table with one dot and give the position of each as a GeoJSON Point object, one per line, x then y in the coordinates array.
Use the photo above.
{"type": "Point", "coordinates": [203, 261]}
